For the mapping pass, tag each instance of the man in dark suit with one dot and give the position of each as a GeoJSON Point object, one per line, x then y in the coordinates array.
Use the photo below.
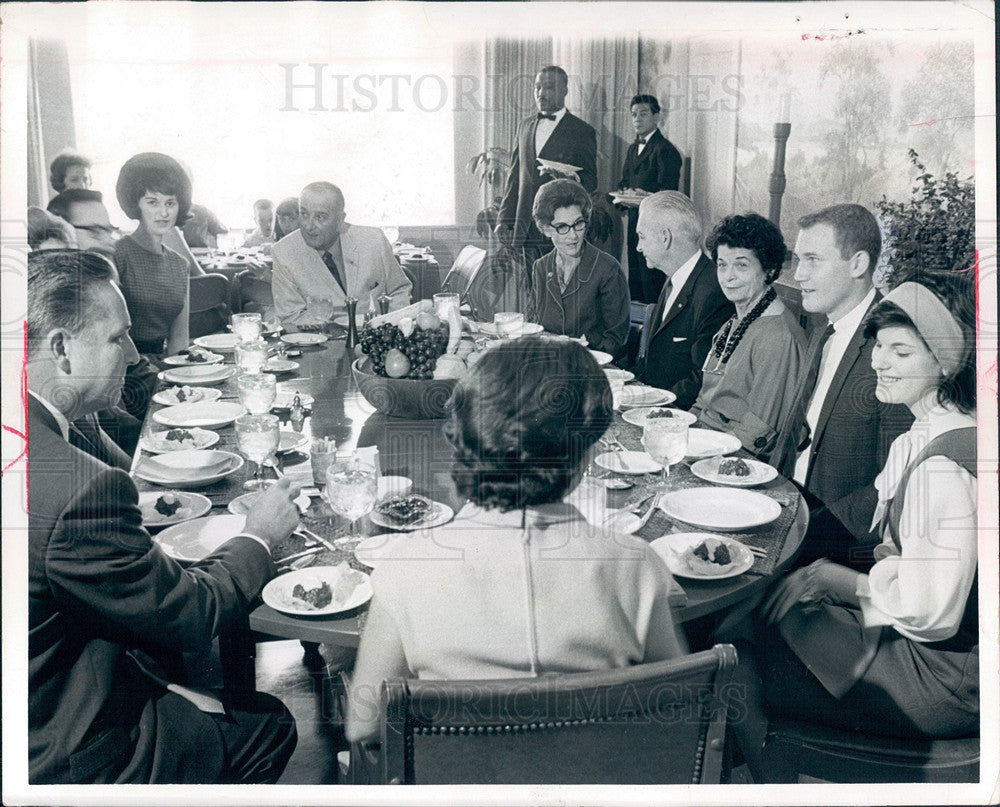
{"type": "Point", "coordinates": [836, 438]}
{"type": "Point", "coordinates": [691, 308]}
{"type": "Point", "coordinates": [651, 164]}
{"type": "Point", "coordinates": [553, 134]}
{"type": "Point", "coordinates": [109, 614]}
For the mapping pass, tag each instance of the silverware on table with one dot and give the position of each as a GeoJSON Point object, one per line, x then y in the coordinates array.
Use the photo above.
{"type": "Point", "coordinates": [314, 538]}
{"type": "Point", "coordinates": [311, 551]}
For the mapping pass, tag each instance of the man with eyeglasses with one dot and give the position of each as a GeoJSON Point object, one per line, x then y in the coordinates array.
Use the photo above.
{"type": "Point", "coordinates": [553, 135]}
{"type": "Point", "coordinates": [84, 209]}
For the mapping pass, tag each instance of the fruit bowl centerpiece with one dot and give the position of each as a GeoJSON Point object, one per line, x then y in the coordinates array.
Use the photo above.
{"type": "Point", "coordinates": [414, 398]}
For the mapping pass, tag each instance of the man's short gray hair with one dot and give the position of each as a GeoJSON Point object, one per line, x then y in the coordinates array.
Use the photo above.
{"type": "Point", "coordinates": [677, 212]}
{"type": "Point", "coordinates": [325, 187]}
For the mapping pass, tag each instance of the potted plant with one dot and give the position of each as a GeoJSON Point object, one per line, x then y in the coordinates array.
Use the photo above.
{"type": "Point", "coordinates": [490, 167]}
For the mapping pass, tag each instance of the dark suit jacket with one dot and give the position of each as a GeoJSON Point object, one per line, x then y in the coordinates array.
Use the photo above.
{"type": "Point", "coordinates": [572, 142]}
{"type": "Point", "coordinates": [97, 587]}
{"type": "Point", "coordinates": [852, 438]}
{"type": "Point", "coordinates": [658, 168]}
{"type": "Point", "coordinates": [676, 346]}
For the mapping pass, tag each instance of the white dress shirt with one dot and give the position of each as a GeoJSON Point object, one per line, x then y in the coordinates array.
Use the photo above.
{"type": "Point", "coordinates": [544, 129]}
{"type": "Point", "coordinates": [677, 281]}
{"type": "Point", "coordinates": [833, 353]}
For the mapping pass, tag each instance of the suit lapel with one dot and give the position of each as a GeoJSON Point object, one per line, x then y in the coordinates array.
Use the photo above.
{"type": "Point", "coordinates": [851, 356]}
{"type": "Point", "coordinates": [683, 298]}
{"type": "Point", "coordinates": [553, 140]}
{"type": "Point", "coordinates": [349, 249]}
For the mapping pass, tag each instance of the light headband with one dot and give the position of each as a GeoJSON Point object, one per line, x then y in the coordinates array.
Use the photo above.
{"type": "Point", "coordinates": [933, 321]}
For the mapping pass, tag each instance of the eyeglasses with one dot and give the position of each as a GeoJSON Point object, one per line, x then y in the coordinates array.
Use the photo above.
{"type": "Point", "coordinates": [577, 227]}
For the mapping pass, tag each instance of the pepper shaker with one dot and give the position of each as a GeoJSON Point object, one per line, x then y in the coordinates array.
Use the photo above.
{"type": "Point", "coordinates": [352, 322]}
{"type": "Point", "coordinates": [383, 303]}
{"type": "Point", "coordinates": [298, 415]}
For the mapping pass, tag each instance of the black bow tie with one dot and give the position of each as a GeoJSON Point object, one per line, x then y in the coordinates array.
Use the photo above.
{"type": "Point", "coordinates": [546, 115]}
{"type": "Point", "coordinates": [640, 141]}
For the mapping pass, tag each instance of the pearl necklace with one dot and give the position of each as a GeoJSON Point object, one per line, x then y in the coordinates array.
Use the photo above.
{"type": "Point", "coordinates": [729, 337]}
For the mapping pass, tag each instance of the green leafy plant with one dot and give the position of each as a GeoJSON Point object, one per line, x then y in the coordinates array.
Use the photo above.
{"type": "Point", "coordinates": [491, 167]}
{"type": "Point", "coordinates": [935, 229]}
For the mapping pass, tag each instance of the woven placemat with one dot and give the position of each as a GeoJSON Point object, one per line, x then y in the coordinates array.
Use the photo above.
{"type": "Point", "coordinates": [769, 537]}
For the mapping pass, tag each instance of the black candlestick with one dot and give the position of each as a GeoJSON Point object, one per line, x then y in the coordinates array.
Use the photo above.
{"type": "Point", "coordinates": [777, 184]}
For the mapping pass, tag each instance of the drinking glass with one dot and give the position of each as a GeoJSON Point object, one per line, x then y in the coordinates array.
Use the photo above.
{"type": "Point", "coordinates": [257, 436]}
{"type": "Point", "coordinates": [251, 357]}
{"type": "Point", "coordinates": [322, 454]}
{"type": "Point", "coordinates": [246, 326]}
{"type": "Point", "coordinates": [665, 440]}
{"type": "Point", "coordinates": [320, 309]}
{"type": "Point", "coordinates": [351, 490]}
{"type": "Point", "coordinates": [257, 392]}
{"type": "Point", "coordinates": [444, 302]}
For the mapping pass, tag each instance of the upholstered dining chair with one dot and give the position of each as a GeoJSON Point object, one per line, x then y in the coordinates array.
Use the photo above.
{"type": "Point", "coordinates": [660, 723]}
{"type": "Point", "coordinates": [210, 301]}
{"type": "Point", "coordinates": [796, 751]}
{"type": "Point", "coordinates": [463, 271]}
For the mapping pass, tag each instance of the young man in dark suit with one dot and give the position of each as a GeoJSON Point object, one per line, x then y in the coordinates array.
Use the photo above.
{"type": "Point", "coordinates": [109, 614]}
{"type": "Point", "coordinates": [691, 307]}
{"type": "Point", "coordinates": [836, 438]}
{"type": "Point", "coordinates": [651, 164]}
{"type": "Point", "coordinates": [553, 134]}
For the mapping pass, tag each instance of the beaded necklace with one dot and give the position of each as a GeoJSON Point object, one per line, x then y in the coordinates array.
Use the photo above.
{"type": "Point", "coordinates": [729, 337]}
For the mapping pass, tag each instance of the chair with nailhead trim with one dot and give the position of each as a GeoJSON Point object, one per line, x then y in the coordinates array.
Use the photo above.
{"type": "Point", "coordinates": [660, 723]}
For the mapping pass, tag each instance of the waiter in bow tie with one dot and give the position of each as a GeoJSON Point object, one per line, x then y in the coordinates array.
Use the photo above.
{"type": "Point", "coordinates": [553, 134]}
{"type": "Point", "coordinates": [651, 164]}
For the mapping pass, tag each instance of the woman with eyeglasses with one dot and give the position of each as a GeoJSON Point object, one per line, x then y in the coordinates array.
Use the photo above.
{"type": "Point", "coordinates": [577, 290]}
{"type": "Point", "coordinates": [155, 190]}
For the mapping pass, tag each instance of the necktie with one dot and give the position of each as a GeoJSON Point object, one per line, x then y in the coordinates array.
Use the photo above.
{"type": "Point", "coordinates": [657, 319]}
{"type": "Point", "coordinates": [331, 264]}
{"type": "Point", "coordinates": [640, 141]}
{"type": "Point", "coordinates": [546, 116]}
{"type": "Point", "coordinates": [668, 287]}
{"type": "Point", "coordinates": [791, 430]}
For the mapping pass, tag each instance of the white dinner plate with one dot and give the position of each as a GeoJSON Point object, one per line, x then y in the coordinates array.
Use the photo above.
{"type": "Point", "coordinates": [304, 338]}
{"type": "Point", "coordinates": [284, 399]}
{"type": "Point", "coordinates": [350, 588]}
{"type": "Point", "coordinates": [708, 443]}
{"type": "Point", "coordinates": [181, 360]}
{"type": "Point", "coordinates": [708, 469]}
{"type": "Point", "coordinates": [198, 374]}
{"type": "Point", "coordinates": [614, 374]}
{"type": "Point", "coordinates": [171, 395]}
{"type": "Point", "coordinates": [641, 395]}
{"type": "Point", "coordinates": [628, 462]}
{"type": "Point", "coordinates": [524, 329]}
{"type": "Point", "coordinates": [438, 514]}
{"type": "Point", "coordinates": [289, 441]}
{"type": "Point", "coordinates": [209, 415]}
{"type": "Point", "coordinates": [226, 342]}
{"type": "Point", "coordinates": [277, 365]}
{"type": "Point", "coordinates": [565, 168]}
{"type": "Point", "coordinates": [601, 357]}
{"type": "Point", "coordinates": [719, 510]}
{"type": "Point", "coordinates": [674, 551]}
{"type": "Point", "coordinates": [188, 469]}
{"type": "Point", "coordinates": [637, 416]}
{"type": "Point", "coordinates": [192, 505]}
{"type": "Point", "coordinates": [178, 440]}
{"type": "Point", "coordinates": [197, 539]}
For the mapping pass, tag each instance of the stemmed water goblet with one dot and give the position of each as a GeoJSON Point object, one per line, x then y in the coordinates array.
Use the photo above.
{"type": "Point", "coordinates": [351, 490]}
{"type": "Point", "coordinates": [257, 392]}
{"type": "Point", "coordinates": [257, 437]}
{"type": "Point", "coordinates": [665, 440]}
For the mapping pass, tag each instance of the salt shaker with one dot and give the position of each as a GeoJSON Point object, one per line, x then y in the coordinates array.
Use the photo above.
{"type": "Point", "coordinates": [352, 322]}
{"type": "Point", "coordinates": [383, 303]}
{"type": "Point", "coordinates": [298, 415]}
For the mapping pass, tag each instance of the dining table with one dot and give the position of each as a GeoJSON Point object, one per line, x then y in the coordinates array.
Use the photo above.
{"type": "Point", "coordinates": [417, 449]}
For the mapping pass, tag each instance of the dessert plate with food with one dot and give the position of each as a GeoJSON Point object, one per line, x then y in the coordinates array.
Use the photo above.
{"type": "Point", "coordinates": [734, 471]}
{"type": "Point", "coordinates": [318, 590]}
{"type": "Point", "coordinates": [193, 355]}
{"type": "Point", "coordinates": [161, 509]}
{"type": "Point", "coordinates": [702, 556]}
{"type": "Point", "coordinates": [171, 396]}
{"type": "Point", "coordinates": [721, 511]}
{"type": "Point", "coordinates": [178, 440]}
{"type": "Point", "coordinates": [637, 417]}
{"type": "Point", "coordinates": [411, 512]}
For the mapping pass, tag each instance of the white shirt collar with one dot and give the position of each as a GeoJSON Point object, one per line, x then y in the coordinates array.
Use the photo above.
{"type": "Point", "coordinates": [677, 281]}
{"type": "Point", "coordinates": [60, 418]}
{"type": "Point", "coordinates": [559, 115]}
{"type": "Point", "coordinates": [852, 319]}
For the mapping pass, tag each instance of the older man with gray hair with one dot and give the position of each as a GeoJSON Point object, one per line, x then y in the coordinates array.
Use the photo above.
{"type": "Point", "coordinates": [691, 308]}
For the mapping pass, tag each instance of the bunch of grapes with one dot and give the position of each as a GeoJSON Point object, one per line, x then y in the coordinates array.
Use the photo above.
{"type": "Point", "coordinates": [422, 347]}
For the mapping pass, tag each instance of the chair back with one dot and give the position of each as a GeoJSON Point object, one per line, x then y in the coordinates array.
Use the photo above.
{"type": "Point", "coordinates": [463, 271]}
{"type": "Point", "coordinates": [660, 723]}
{"type": "Point", "coordinates": [793, 750]}
{"type": "Point", "coordinates": [210, 295]}
{"type": "Point", "coordinates": [640, 315]}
